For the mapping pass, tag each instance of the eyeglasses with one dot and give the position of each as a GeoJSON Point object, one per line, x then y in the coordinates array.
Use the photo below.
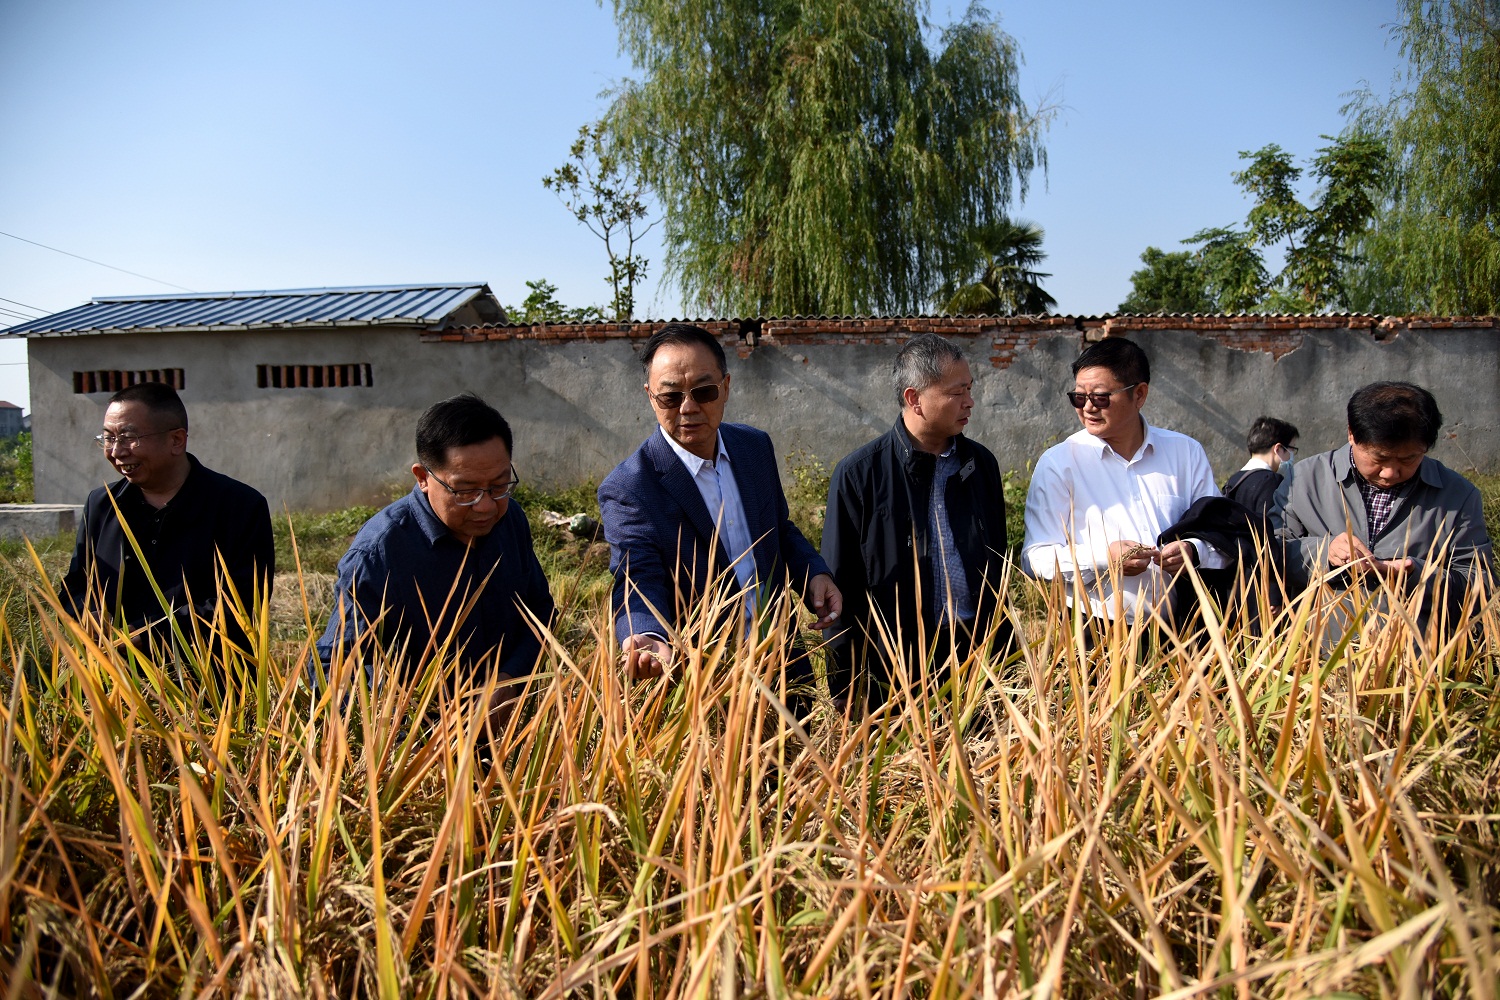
{"type": "Point", "coordinates": [468, 498]}
{"type": "Point", "coordinates": [1099, 399]}
{"type": "Point", "coordinates": [128, 440]}
{"type": "Point", "coordinates": [672, 400]}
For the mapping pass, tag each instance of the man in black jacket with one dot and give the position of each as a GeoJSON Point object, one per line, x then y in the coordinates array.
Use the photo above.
{"type": "Point", "coordinates": [184, 518]}
{"type": "Point", "coordinates": [915, 530]}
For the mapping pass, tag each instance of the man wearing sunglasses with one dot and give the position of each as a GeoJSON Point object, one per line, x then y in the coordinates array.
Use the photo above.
{"type": "Point", "coordinates": [184, 518]}
{"type": "Point", "coordinates": [699, 506]}
{"type": "Point", "coordinates": [449, 569]}
{"type": "Point", "coordinates": [1100, 500]}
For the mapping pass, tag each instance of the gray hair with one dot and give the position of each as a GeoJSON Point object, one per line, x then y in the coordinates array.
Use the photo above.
{"type": "Point", "coordinates": [920, 363]}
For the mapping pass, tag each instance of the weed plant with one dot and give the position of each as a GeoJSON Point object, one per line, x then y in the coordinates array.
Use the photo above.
{"type": "Point", "coordinates": [1228, 812]}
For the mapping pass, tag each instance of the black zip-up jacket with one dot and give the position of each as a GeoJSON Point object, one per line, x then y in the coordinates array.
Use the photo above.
{"type": "Point", "coordinates": [875, 540]}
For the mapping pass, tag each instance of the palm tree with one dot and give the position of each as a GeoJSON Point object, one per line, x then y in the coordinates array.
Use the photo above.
{"type": "Point", "coordinates": [1005, 254]}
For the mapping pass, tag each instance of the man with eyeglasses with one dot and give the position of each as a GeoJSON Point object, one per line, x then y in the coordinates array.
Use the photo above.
{"type": "Point", "coordinates": [1379, 506]}
{"type": "Point", "coordinates": [184, 518]}
{"type": "Point", "coordinates": [449, 569]}
{"type": "Point", "coordinates": [1101, 499]}
{"type": "Point", "coordinates": [918, 512]}
{"type": "Point", "coordinates": [1272, 451]}
{"type": "Point", "coordinates": [699, 505]}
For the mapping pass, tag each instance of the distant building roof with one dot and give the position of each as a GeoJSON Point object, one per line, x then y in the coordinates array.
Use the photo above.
{"type": "Point", "coordinates": [432, 306]}
{"type": "Point", "coordinates": [8, 406]}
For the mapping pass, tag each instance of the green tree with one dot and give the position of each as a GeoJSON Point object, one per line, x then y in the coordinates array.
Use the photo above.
{"type": "Point", "coordinates": [1169, 283]}
{"type": "Point", "coordinates": [601, 191]}
{"type": "Point", "coordinates": [1233, 269]}
{"type": "Point", "coordinates": [816, 155]}
{"type": "Point", "coordinates": [542, 306]}
{"type": "Point", "coordinates": [16, 484]}
{"type": "Point", "coordinates": [1002, 277]}
{"type": "Point", "coordinates": [1435, 245]}
{"type": "Point", "coordinates": [1319, 240]}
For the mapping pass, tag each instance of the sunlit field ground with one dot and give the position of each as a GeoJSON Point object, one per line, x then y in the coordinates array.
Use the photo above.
{"type": "Point", "coordinates": [1220, 813]}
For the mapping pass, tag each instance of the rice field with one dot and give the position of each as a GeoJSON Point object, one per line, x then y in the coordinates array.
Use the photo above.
{"type": "Point", "coordinates": [1297, 810]}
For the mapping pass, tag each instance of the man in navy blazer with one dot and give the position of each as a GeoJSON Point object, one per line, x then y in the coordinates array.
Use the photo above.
{"type": "Point", "coordinates": [698, 505]}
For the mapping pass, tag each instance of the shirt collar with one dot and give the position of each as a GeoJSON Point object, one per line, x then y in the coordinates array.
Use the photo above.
{"type": "Point", "coordinates": [433, 529]}
{"type": "Point", "coordinates": [908, 445]}
{"type": "Point", "coordinates": [182, 498]}
{"type": "Point", "coordinates": [691, 462]}
{"type": "Point", "coordinates": [1148, 444]}
{"type": "Point", "coordinates": [1256, 464]}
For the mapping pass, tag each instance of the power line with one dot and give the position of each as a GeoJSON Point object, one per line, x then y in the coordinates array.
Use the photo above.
{"type": "Point", "coordinates": [134, 274]}
{"type": "Point", "coordinates": [22, 305]}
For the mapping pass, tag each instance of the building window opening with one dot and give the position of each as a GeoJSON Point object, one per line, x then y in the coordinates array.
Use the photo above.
{"type": "Point", "coordinates": [114, 381]}
{"type": "Point", "coordinates": [312, 376]}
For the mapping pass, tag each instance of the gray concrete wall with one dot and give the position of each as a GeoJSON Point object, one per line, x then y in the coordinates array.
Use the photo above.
{"type": "Point", "coordinates": [577, 406]}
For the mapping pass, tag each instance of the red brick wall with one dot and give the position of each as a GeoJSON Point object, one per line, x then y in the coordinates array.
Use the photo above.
{"type": "Point", "coordinates": [1273, 335]}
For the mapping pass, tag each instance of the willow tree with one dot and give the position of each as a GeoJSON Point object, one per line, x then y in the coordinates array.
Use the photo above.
{"type": "Point", "coordinates": [816, 155]}
{"type": "Point", "coordinates": [1436, 247]}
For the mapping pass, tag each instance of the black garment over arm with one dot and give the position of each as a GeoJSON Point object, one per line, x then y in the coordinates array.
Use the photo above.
{"type": "Point", "coordinates": [1255, 490]}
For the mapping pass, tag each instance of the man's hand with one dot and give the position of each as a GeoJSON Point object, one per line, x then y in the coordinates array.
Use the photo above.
{"type": "Point", "coordinates": [1392, 567]}
{"type": "Point", "coordinates": [1174, 555]}
{"type": "Point", "coordinates": [1132, 557]}
{"type": "Point", "coordinates": [645, 657]}
{"type": "Point", "coordinates": [501, 705]}
{"type": "Point", "coordinates": [825, 601]}
{"type": "Point", "coordinates": [1346, 549]}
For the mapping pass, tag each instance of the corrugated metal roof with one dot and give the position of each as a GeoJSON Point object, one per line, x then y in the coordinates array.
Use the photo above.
{"type": "Point", "coordinates": [374, 305]}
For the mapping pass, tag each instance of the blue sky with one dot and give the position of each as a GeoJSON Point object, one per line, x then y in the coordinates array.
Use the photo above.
{"type": "Point", "coordinates": [237, 145]}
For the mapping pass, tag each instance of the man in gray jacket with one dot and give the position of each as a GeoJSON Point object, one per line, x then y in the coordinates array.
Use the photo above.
{"type": "Point", "coordinates": [1380, 505]}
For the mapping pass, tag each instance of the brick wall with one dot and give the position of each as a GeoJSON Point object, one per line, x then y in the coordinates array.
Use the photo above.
{"type": "Point", "coordinates": [1277, 336]}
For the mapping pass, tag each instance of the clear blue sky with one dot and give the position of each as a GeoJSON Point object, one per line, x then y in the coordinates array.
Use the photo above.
{"type": "Point", "coordinates": [238, 145]}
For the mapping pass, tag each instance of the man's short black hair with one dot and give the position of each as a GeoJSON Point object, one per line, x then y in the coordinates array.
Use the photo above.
{"type": "Point", "coordinates": [683, 333]}
{"type": "Point", "coordinates": [1124, 359]}
{"type": "Point", "coordinates": [1267, 432]}
{"type": "Point", "coordinates": [455, 422]}
{"type": "Point", "coordinates": [1394, 413]}
{"type": "Point", "coordinates": [158, 397]}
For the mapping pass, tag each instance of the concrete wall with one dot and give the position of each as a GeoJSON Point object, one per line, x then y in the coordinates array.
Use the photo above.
{"type": "Point", "coordinates": [573, 394]}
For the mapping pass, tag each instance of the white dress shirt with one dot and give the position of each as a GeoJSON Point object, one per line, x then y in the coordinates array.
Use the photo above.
{"type": "Point", "coordinates": [1084, 496]}
{"type": "Point", "coordinates": [721, 495]}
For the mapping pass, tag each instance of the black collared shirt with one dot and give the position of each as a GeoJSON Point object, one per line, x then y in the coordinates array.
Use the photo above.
{"type": "Point", "coordinates": [211, 515]}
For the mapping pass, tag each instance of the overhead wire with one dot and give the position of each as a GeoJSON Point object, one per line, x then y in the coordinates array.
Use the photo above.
{"type": "Point", "coordinates": [65, 253]}
{"type": "Point", "coordinates": [35, 309]}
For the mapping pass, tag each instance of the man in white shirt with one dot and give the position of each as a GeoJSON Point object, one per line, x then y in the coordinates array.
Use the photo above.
{"type": "Point", "coordinates": [697, 507]}
{"type": "Point", "coordinates": [1099, 500]}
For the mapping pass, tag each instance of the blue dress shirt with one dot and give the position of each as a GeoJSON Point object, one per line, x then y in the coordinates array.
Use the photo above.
{"type": "Point", "coordinates": [405, 562]}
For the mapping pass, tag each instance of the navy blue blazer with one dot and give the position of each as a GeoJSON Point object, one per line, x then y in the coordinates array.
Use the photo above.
{"type": "Point", "coordinates": [661, 536]}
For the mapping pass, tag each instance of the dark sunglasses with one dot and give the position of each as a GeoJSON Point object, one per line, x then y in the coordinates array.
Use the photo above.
{"type": "Point", "coordinates": [1099, 399]}
{"type": "Point", "coordinates": [672, 400]}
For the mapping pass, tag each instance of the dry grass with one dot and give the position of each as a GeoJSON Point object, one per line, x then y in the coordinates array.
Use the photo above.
{"type": "Point", "coordinates": [1226, 813]}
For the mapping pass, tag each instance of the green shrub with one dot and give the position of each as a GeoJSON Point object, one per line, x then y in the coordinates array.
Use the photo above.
{"type": "Point", "coordinates": [16, 481]}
